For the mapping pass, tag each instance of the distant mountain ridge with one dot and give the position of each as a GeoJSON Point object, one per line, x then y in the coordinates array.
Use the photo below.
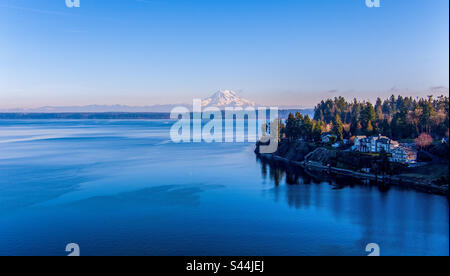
{"type": "Point", "coordinates": [282, 114]}
{"type": "Point", "coordinates": [220, 99]}
{"type": "Point", "coordinates": [95, 109]}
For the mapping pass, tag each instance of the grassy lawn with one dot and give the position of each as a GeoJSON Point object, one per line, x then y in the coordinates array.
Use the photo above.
{"type": "Point", "coordinates": [429, 172]}
{"type": "Point", "coordinates": [406, 141]}
{"type": "Point", "coordinates": [371, 154]}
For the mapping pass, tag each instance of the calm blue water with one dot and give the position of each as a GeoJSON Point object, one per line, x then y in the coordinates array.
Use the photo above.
{"type": "Point", "coordinates": [122, 188]}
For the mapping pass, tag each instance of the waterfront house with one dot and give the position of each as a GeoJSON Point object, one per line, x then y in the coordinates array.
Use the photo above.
{"type": "Point", "coordinates": [386, 144]}
{"type": "Point", "coordinates": [375, 144]}
{"type": "Point", "coordinates": [327, 137]}
{"type": "Point", "coordinates": [358, 143]}
{"type": "Point", "coordinates": [403, 154]}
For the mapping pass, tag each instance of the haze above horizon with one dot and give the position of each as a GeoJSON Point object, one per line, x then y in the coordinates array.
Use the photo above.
{"type": "Point", "coordinates": [143, 53]}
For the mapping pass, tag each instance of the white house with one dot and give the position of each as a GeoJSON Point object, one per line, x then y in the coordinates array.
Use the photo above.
{"type": "Point", "coordinates": [374, 144]}
{"type": "Point", "coordinates": [386, 144]}
{"type": "Point", "coordinates": [358, 143]}
{"type": "Point", "coordinates": [326, 137]}
{"type": "Point", "coordinates": [404, 155]}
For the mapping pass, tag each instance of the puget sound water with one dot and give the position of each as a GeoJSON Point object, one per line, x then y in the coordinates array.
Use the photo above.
{"type": "Point", "coordinates": [123, 188]}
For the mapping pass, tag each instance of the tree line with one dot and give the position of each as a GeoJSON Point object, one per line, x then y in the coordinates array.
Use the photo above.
{"type": "Point", "coordinates": [395, 117]}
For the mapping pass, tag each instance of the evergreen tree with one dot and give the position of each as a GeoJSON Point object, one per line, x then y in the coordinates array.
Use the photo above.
{"type": "Point", "coordinates": [291, 128]}
{"type": "Point", "coordinates": [307, 128]}
{"type": "Point", "coordinates": [379, 110]}
{"type": "Point", "coordinates": [396, 117]}
{"type": "Point", "coordinates": [317, 130]}
{"type": "Point", "coordinates": [338, 128]}
{"type": "Point", "coordinates": [369, 128]}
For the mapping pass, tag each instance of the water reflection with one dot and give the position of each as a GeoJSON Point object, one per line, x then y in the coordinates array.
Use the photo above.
{"type": "Point", "coordinates": [280, 172]}
{"type": "Point", "coordinates": [393, 217]}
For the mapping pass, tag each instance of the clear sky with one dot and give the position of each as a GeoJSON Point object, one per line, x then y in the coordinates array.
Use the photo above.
{"type": "Point", "coordinates": [274, 52]}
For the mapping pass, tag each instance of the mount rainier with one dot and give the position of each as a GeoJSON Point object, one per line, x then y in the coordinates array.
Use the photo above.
{"type": "Point", "coordinates": [226, 98]}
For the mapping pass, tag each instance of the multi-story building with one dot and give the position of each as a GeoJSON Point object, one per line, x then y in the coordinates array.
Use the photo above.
{"type": "Point", "coordinates": [403, 154]}
{"type": "Point", "coordinates": [360, 144]}
{"type": "Point", "coordinates": [376, 144]}
{"type": "Point", "coordinates": [327, 137]}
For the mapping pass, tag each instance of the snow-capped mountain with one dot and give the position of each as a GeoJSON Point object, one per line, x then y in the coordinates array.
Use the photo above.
{"type": "Point", "coordinates": [220, 99]}
{"type": "Point", "coordinates": [226, 98]}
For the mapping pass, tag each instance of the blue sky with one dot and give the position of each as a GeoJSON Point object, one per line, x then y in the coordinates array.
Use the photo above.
{"type": "Point", "coordinates": [274, 52]}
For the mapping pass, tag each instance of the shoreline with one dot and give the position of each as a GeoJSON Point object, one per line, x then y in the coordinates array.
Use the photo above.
{"type": "Point", "coordinates": [396, 181]}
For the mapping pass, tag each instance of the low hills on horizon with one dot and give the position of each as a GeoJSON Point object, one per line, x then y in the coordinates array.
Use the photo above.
{"type": "Point", "coordinates": [220, 99]}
